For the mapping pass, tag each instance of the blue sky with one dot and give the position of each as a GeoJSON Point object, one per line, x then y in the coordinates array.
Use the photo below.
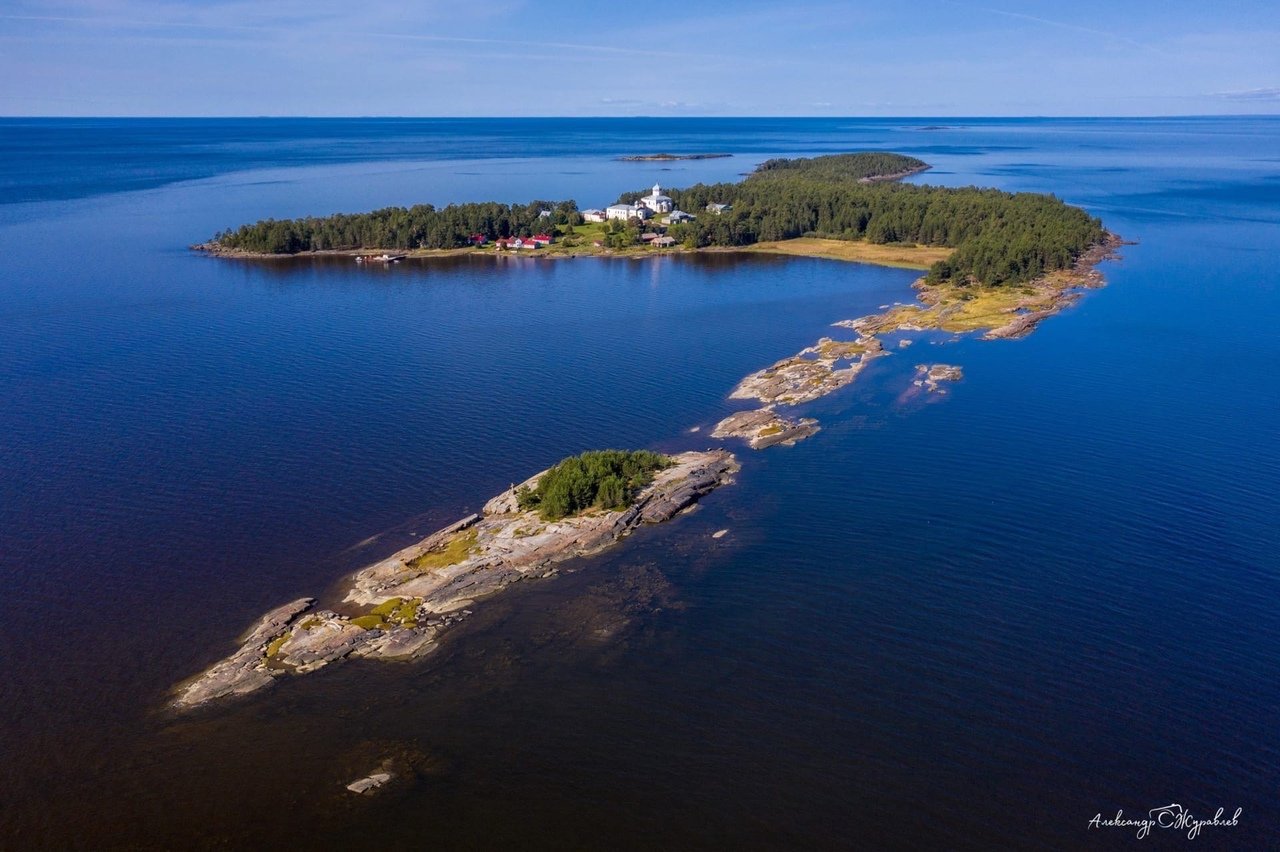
{"type": "Point", "coordinates": [644, 57]}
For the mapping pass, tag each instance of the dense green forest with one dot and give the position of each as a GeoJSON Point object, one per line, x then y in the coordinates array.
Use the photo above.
{"type": "Point", "coordinates": [999, 237]}
{"type": "Point", "coordinates": [605, 479]}
{"type": "Point", "coordinates": [420, 226]}
{"type": "Point", "coordinates": [845, 167]}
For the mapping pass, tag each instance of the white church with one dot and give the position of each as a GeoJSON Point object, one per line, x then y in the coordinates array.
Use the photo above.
{"type": "Point", "coordinates": [654, 202]}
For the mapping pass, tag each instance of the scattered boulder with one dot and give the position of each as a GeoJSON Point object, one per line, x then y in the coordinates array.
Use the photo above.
{"type": "Point", "coordinates": [370, 783]}
{"type": "Point", "coordinates": [929, 376]}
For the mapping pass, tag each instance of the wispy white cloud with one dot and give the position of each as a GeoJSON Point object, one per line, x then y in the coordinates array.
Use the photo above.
{"type": "Point", "coordinates": [1268, 94]}
{"type": "Point", "coordinates": [283, 29]}
{"type": "Point", "coordinates": [1062, 25]}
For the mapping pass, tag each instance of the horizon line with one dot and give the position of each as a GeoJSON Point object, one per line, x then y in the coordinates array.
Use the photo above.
{"type": "Point", "coordinates": [268, 116]}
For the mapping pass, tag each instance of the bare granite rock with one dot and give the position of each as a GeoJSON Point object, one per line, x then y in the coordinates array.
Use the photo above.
{"type": "Point", "coordinates": [764, 427]}
{"type": "Point", "coordinates": [320, 639]}
{"type": "Point", "coordinates": [370, 783]}
{"type": "Point", "coordinates": [244, 671]}
{"type": "Point", "coordinates": [400, 643]}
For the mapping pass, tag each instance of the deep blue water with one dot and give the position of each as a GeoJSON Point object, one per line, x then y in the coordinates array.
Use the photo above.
{"type": "Point", "coordinates": [971, 623]}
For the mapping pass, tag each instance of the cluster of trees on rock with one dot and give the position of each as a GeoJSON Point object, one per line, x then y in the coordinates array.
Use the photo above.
{"type": "Point", "coordinates": [420, 226]}
{"type": "Point", "coordinates": [998, 236]}
{"type": "Point", "coordinates": [604, 479]}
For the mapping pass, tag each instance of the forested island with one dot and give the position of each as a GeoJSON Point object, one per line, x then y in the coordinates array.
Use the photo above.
{"type": "Point", "coordinates": [996, 237]}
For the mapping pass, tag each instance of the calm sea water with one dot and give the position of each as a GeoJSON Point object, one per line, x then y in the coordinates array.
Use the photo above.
{"type": "Point", "coordinates": [972, 623]}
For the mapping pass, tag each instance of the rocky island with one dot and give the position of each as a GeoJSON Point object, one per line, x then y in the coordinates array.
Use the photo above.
{"type": "Point", "coordinates": [398, 608]}
{"type": "Point", "coordinates": [996, 263]}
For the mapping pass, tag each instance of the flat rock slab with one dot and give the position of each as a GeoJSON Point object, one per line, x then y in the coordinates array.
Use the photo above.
{"type": "Point", "coordinates": [814, 372]}
{"type": "Point", "coordinates": [370, 783]}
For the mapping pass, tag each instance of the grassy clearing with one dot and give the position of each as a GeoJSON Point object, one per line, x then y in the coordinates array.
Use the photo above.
{"type": "Point", "coordinates": [907, 257]}
{"type": "Point", "coordinates": [963, 309]}
{"type": "Point", "coordinates": [462, 545]}
{"type": "Point", "coordinates": [981, 308]}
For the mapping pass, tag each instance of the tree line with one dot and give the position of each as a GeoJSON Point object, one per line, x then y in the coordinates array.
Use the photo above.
{"type": "Point", "coordinates": [998, 237]}
{"type": "Point", "coordinates": [420, 226]}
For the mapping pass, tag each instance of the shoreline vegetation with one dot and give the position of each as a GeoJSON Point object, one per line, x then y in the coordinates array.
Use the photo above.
{"type": "Point", "coordinates": [995, 263]}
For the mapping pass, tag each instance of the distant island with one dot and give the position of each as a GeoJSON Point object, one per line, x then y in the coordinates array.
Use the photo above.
{"type": "Point", "coordinates": [658, 158]}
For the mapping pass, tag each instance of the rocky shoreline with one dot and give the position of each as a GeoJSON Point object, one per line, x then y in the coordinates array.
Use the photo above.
{"type": "Point", "coordinates": [1001, 313]}
{"type": "Point", "coordinates": [409, 599]}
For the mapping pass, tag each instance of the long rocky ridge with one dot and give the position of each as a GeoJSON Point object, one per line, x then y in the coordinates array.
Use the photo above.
{"type": "Point", "coordinates": [408, 600]}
